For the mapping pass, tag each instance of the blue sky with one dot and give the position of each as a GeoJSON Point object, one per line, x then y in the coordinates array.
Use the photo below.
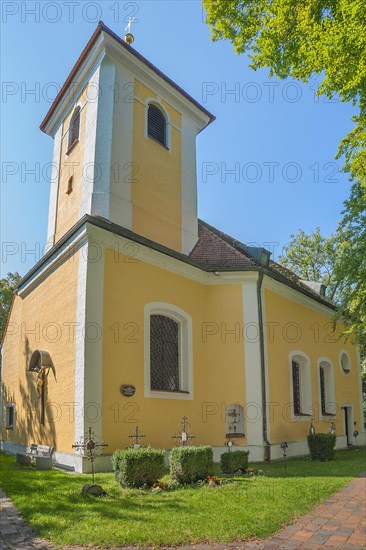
{"type": "Point", "coordinates": [265, 167]}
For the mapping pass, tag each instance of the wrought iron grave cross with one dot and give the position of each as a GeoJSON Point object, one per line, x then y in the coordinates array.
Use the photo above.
{"type": "Point", "coordinates": [90, 448]}
{"type": "Point", "coordinates": [184, 432]}
{"type": "Point", "coordinates": [137, 436]}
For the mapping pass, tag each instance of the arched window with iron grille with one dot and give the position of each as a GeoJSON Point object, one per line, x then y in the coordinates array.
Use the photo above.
{"type": "Point", "coordinates": [156, 124]}
{"type": "Point", "coordinates": [164, 353]}
{"type": "Point", "coordinates": [74, 127]}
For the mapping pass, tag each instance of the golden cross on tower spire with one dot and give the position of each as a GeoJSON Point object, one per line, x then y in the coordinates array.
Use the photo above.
{"type": "Point", "coordinates": [129, 38]}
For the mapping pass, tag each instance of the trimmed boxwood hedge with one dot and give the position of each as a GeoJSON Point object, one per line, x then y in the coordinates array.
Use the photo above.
{"type": "Point", "coordinates": [138, 467]}
{"type": "Point", "coordinates": [321, 446]}
{"type": "Point", "coordinates": [191, 463]}
{"type": "Point", "coordinates": [232, 461]}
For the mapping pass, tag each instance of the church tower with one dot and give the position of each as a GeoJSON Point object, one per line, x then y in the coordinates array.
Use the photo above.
{"type": "Point", "coordinates": [124, 146]}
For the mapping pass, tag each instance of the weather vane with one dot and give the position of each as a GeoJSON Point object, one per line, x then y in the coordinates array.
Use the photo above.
{"type": "Point", "coordinates": [184, 432]}
{"type": "Point", "coordinates": [91, 450]}
{"type": "Point", "coordinates": [137, 436]}
{"type": "Point", "coordinates": [129, 38]}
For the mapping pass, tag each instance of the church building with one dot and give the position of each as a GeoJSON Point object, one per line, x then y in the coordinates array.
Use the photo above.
{"type": "Point", "coordinates": [140, 314]}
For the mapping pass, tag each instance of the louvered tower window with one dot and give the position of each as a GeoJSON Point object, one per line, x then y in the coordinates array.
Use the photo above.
{"type": "Point", "coordinates": [74, 128]}
{"type": "Point", "coordinates": [156, 124]}
{"type": "Point", "coordinates": [296, 387]}
{"type": "Point", "coordinates": [164, 353]}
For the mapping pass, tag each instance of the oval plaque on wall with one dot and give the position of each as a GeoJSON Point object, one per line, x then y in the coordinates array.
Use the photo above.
{"type": "Point", "coordinates": [127, 390]}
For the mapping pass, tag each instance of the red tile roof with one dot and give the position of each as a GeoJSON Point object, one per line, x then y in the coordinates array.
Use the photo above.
{"type": "Point", "coordinates": [217, 251]}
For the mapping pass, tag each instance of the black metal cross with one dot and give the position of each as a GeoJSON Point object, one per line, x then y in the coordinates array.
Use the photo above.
{"type": "Point", "coordinates": [184, 430]}
{"type": "Point", "coordinates": [137, 436]}
{"type": "Point", "coordinates": [90, 448]}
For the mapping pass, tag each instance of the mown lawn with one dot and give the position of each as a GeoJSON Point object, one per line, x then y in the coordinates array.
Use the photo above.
{"type": "Point", "coordinates": [242, 508]}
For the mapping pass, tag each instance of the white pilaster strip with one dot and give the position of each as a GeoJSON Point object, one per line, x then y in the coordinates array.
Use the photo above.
{"type": "Point", "coordinates": [55, 178]}
{"type": "Point", "coordinates": [252, 358]}
{"type": "Point", "coordinates": [94, 339]}
{"type": "Point", "coordinates": [93, 94]}
{"type": "Point", "coordinates": [80, 342]}
{"type": "Point", "coordinates": [103, 146]}
{"type": "Point", "coordinates": [189, 185]}
{"type": "Point", "coordinates": [89, 318]}
{"type": "Point", "coordinates": [123, 171]}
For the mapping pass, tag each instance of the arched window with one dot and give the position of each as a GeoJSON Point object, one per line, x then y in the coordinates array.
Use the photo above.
{"type": "Point", "coordinates": [156, 124]}
{"type": "Point", "coordinates": [168, 352]}
{"type": "Point", "coordinates": [326, 386]}
{"type": "Point", "coordinates": [164, 353]}
{"type": "Point", "coordinates": [296, 390]}
{"type": "Point", "coordinates": [74, 127]}
{"type": "Point", "coordinates": [300, 384]}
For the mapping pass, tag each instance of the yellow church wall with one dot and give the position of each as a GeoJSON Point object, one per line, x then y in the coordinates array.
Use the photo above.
{"type": "Point", "coordinates": [217, 381]}
{"type": "Point", "coordinates": [313, 336]}
{"type": "Point", "coordinates": [40, 321]}
{"type": "Point", "coordinates": [156, 193]}
{"type": "Point", "coordinates": [72, 164]}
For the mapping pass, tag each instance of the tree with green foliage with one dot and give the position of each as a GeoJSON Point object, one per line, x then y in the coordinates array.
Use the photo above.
{"type": "Point", "coordinates": [7, 286]}
{"type": "Point", "coordinates": [326, 38]}
{"type": "Point", "coordinates": [313, 257]}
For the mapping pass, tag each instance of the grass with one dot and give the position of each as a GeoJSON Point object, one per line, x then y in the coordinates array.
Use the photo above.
{"type": "Point", "coordinates": [242, 508]}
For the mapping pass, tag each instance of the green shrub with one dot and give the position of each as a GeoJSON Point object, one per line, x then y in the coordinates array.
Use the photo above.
{"type": "Point", "coordinates": [232, 461]}
{"type": "Point", "coordinates": [138, 467]}
{"type": "Point", "coordinates": [321, 446]}
{"type": "Point", "coordinates": [189, 464]}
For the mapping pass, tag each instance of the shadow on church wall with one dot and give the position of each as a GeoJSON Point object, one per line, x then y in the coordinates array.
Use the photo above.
{"type": "Point", "coordinates": [27, 426]}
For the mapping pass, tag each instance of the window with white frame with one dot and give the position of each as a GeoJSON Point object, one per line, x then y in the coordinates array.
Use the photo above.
{"type": "Point", "coordinates": [9, 416]}
{"type": "Point", "coordinates": [164, 353]}
{"type": "Point", "coordinates": [326, 387]}
{"type": "Point", "coordinates": [300, 375]}
{"type": "Point", "coordinates": [168, 352]}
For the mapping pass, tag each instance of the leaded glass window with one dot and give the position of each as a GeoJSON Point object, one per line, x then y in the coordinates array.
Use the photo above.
{"type": "Point", "coordinates": [164, 353]}
{"type": "Point", "coordinates": [296, 387]}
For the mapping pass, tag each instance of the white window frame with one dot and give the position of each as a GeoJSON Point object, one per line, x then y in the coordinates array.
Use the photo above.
{"type": "Point", "coordinates": [158, 103]}
{"type": "Point", "coordinates": [345, 352]}
{"type": "Point", "coordinates": [7, 407]}
{"type": "Point", "coordinates": [185, 351]}
{"type": "Point", "coordinates": [306, 403]}
{"type": "Point", "coordinates": [330, 402]}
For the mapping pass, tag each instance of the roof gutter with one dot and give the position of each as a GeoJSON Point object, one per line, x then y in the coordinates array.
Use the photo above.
{"type": "Point", "coordinates": [263, 367]}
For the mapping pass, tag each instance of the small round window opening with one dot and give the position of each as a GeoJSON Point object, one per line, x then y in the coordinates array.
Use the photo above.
{"type": "Point", "coordinates": [345, 363]}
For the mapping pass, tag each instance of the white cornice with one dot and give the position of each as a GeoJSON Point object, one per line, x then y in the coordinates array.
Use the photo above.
{"type": "Point", "coordinates": [79, 81]}
{"type": "Point", "coordinates": [105, 44]}
{"type": "Point", "coordinates": [143, 253]}
{"type": "Point", "coordinates": [54, 262]}
{"type": "Point", "coordinates": [149, 78]}
{"type": "Point", "coordinates": [296, 296]}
